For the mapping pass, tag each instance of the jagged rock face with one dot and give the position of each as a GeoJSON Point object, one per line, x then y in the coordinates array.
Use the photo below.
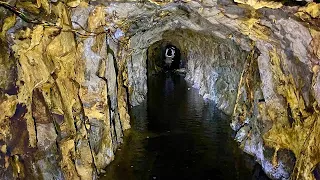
{"type": "Point", "coordinates": [67, 117]}
{"type": "Point", "coordinates": [65, 90]}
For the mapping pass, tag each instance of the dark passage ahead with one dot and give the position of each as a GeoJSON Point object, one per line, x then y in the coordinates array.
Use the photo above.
{"type": "Point", "coordinates": [177, 135]}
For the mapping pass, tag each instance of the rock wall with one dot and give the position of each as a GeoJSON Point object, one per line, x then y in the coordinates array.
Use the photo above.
{"type": "Point", "coordinates": [69, 74]}
{"type": "Point", "coordinates": [64, 106]}
{"type": "Point", "coordinates": [213, 65]}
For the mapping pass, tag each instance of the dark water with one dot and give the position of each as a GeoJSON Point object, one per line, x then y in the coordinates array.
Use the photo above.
{"type": "Point", "coordinates": [175, 134]}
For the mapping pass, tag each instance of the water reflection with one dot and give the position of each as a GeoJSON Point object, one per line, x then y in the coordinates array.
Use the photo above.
{"type": "Point", "coordinates": [177, 135]}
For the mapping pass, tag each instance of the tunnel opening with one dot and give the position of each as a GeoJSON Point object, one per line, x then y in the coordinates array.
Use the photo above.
{"type": "Point", "coordinates": [171, 57]}
{"type": "Point", "coordinates": [164, 56]}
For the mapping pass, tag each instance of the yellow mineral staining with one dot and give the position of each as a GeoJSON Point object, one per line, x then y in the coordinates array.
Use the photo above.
{"type": "Point", "coordinates": [123, 56]}
{"type": "Point", "coordinates": [8, 23]}
{"type": "Point", "coordinates": [49, 60]}
{"type": "Point", "coordinates": [31, 58]}
{"type": "Point", "coordinates": [3, 149]}
{"type": "Point", "coordinates": [96, 23]}
{"type": "Point", "coordinates": [99, 110]}
{"type": "Point", "coordinates": [286, 137]}
{"type": "Point", "coordinates": [313, 9]}
{"type": "Point", "coordinates": [85, 168]}
{"type": "Point", "coordinates": [309, 153]}
{"type": "Point", "coordinates": [287, 88]}
{"type": "Point", "coordinates": [299, 137]}
{"type": "Point", "coordinates": [18, 169]}
{"type": "Point", "coordinates": [73, 3]}
{"type": "Point", "coordinates": [275, 157]}
{"type": "Point", "coordinates": [23, 34]}
{"type": "Point", "coordinates": [7, 107]}
{"type": "Point", "coordinates": [257, 4]}
{"type": "Point", "coordinates": [315, 69]}
{"type": "Point", "coordinates": [123, 111]}
{"type": "Point", "coordinates": [84, 4]}
{"type": "Point", "coordinates": [241, 110]}
{"type": "Point", "coordinates": [68, 154]}
{"type": "Point", "coordinates": [61, 11]}
{"type": "Point", "coordinates": [315, 43]}
{"type": "Point", "coordinates": [302, 15]}
{"type": "Point", "coordinates": [122, 92]}
{"type": "Point", "coordinates": [96, 18]}
{"type": "Point", "coordinates": [36, 37]}
{"type": "Point", "coordinates": [309, 13]}
{"type": "Point", "coordinates": [29, 6]}
{"type": "Point", "coordinates": [6, 161]}
{"type": "Point", "coordinates": [163, 14]}
{"type": "Point", "coordinates": [30, 55]}
{"type": "Point", "coordinates": [45, 5]}
{"type": "Point", "coordinates": [95, 111]}
{"type": "Point", "coordinates": [251, 27]}
{"type": "Point", "coordinates": [160, 2]}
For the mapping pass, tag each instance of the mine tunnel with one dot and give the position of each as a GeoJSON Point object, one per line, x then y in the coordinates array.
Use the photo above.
{"type": "Point", "coordinates": [159, 89]}
{"type": "Point", "coordinates": [171, 56]}
{"type": "Point", "coordinates": [179, 68]}
{"type": "Point", "coordinates": [163, 56]}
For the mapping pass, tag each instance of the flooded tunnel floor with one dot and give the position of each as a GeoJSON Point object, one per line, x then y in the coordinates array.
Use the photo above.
{"type": "Point", "coordinates": [176, 134]}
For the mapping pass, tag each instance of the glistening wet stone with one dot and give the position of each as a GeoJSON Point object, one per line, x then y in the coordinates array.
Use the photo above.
{"type": "Point", "coordinates": [176, 134]}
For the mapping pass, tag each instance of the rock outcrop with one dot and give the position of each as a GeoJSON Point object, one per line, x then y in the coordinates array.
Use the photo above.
{"type": "Point", "coordinates": [64, 104]}
{"type": "Point", "coordinates": [68, 78]}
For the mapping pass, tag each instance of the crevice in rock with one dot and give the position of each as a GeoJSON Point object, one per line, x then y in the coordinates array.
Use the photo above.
{"type": "Point", "coordinates": [88, 138]}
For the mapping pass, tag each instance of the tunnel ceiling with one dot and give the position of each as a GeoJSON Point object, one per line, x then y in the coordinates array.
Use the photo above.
{"type": "Point", "coordinates": [71, 69]}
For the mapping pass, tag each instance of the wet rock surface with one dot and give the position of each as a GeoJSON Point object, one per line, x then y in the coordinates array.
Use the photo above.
{"type": "Point", "coordinates": [71, 69]}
